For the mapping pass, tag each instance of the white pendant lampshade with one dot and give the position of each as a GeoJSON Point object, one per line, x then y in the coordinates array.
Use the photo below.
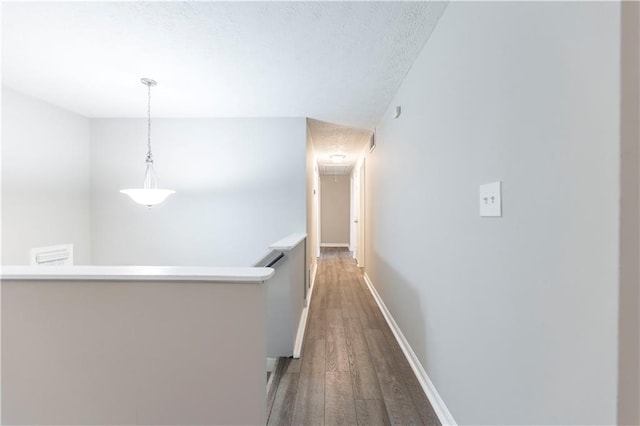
{"type": "Point", "coordinates": [149, 195]}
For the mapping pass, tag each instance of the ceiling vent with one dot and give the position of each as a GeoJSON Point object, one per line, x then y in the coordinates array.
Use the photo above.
{"type": "Point", "coordinates": [61, 255]}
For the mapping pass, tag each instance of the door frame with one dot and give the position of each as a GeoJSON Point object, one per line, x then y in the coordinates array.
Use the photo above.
{"type": "Point", "coordinates": [357, 225]}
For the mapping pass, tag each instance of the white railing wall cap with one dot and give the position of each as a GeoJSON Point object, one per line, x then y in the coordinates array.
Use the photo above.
{"type": "Point", "coordinates": [138, 273]}
{"type": "Point", "coordinates": [288, 242]}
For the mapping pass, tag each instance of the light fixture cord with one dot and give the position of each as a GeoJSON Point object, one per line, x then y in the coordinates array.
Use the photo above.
{"type": "Point", "coordinates": [149, 155]}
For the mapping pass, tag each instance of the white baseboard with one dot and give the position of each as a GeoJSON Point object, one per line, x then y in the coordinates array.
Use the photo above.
{"type": "Point", "coordinates": [274, 367]}
{"type": "Point", "coordinates": [314, 269]}
{"type": "Point", "coordinates": [297, 346]}
{"type": "Point", "coordinates": [436, 401]}
{"type": "Point", "coordinates": [346, 245]}
{"type": "Point", "coordinates": [302, 325]}
{"type": "Point", "coordinates": [271, 362]}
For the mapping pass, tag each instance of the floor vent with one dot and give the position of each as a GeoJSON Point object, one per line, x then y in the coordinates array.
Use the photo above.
{"type": "Point", "coordinates": [61, 255]}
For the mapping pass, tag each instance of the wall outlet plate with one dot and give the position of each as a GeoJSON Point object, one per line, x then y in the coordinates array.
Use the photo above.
{"type": "Point", "coordinates": [491, 199]}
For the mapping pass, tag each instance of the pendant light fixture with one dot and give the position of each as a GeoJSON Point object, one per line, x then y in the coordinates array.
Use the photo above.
{"type": "Point", "coordinates": [149, 195]}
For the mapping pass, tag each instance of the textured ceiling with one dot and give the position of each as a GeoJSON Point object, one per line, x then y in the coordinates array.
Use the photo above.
{"type": "Point", "coordinates": [340, 62]}
{"type": "Point", "coordinates": [329, 138]}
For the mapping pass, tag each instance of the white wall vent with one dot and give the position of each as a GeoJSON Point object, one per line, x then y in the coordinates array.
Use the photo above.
{"type": "Point", "coordinates": [335, 169]}
{"type": "Point", "coordinates": [61, 255]}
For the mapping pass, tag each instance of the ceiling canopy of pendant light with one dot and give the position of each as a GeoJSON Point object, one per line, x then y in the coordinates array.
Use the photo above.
{"type": "Point", "coordinates": [149, 195]}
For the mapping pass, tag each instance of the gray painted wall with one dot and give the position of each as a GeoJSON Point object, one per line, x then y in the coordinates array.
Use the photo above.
{"type": "Point", "coordinates": [513, 318]}
{"type": "Point", "coordinates": [45, 178]}
{"type": "Point", "coordinates": [335, 191]}
{"type": "Point", "coordinates": [133, 353]}
{"type": "Point", "coordinates": [240, 183]}
{"type": "Point", "coordinates": [240, 187]}
{"type": "Point", "coordinates": [629, 332]}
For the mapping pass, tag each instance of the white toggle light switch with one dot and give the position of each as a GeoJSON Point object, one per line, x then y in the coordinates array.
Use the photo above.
{"type": "Point", "coordinates": [490, 199]}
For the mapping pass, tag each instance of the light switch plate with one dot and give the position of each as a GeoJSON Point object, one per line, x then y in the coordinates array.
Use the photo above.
{"type": "Point", "coordinates": [491, 199]}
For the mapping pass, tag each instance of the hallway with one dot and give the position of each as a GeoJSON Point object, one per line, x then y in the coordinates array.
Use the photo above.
{"type": "Point", "coordinates": [352, 370]}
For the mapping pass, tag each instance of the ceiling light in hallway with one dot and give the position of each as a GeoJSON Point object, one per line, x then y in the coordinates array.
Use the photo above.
{"type": "Point", "coordinates": [337, 158]}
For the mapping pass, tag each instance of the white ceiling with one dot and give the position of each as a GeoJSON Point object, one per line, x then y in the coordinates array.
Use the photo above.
{"type": "Point", "coordinates": [339, 62]}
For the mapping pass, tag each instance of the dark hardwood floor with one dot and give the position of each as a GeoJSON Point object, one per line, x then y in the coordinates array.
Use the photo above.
{"type": "Point", "coordinates": [352, 370]}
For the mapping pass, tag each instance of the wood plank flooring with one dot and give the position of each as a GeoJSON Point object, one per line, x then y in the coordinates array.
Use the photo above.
{"type": "Point", "coordinates": [352, 370]}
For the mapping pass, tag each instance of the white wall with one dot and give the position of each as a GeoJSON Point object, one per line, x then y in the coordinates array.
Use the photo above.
{"type": "Point", "coordinates": [335, 192]}
{"type": "Point", "coordinates": [240, 187]}
{"type": "Point", "coordinates": [513, 318]}
{"type": "Point", "coordinates": [240, 183]}
{"type": "Point", "coordinates": [45, 178]}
